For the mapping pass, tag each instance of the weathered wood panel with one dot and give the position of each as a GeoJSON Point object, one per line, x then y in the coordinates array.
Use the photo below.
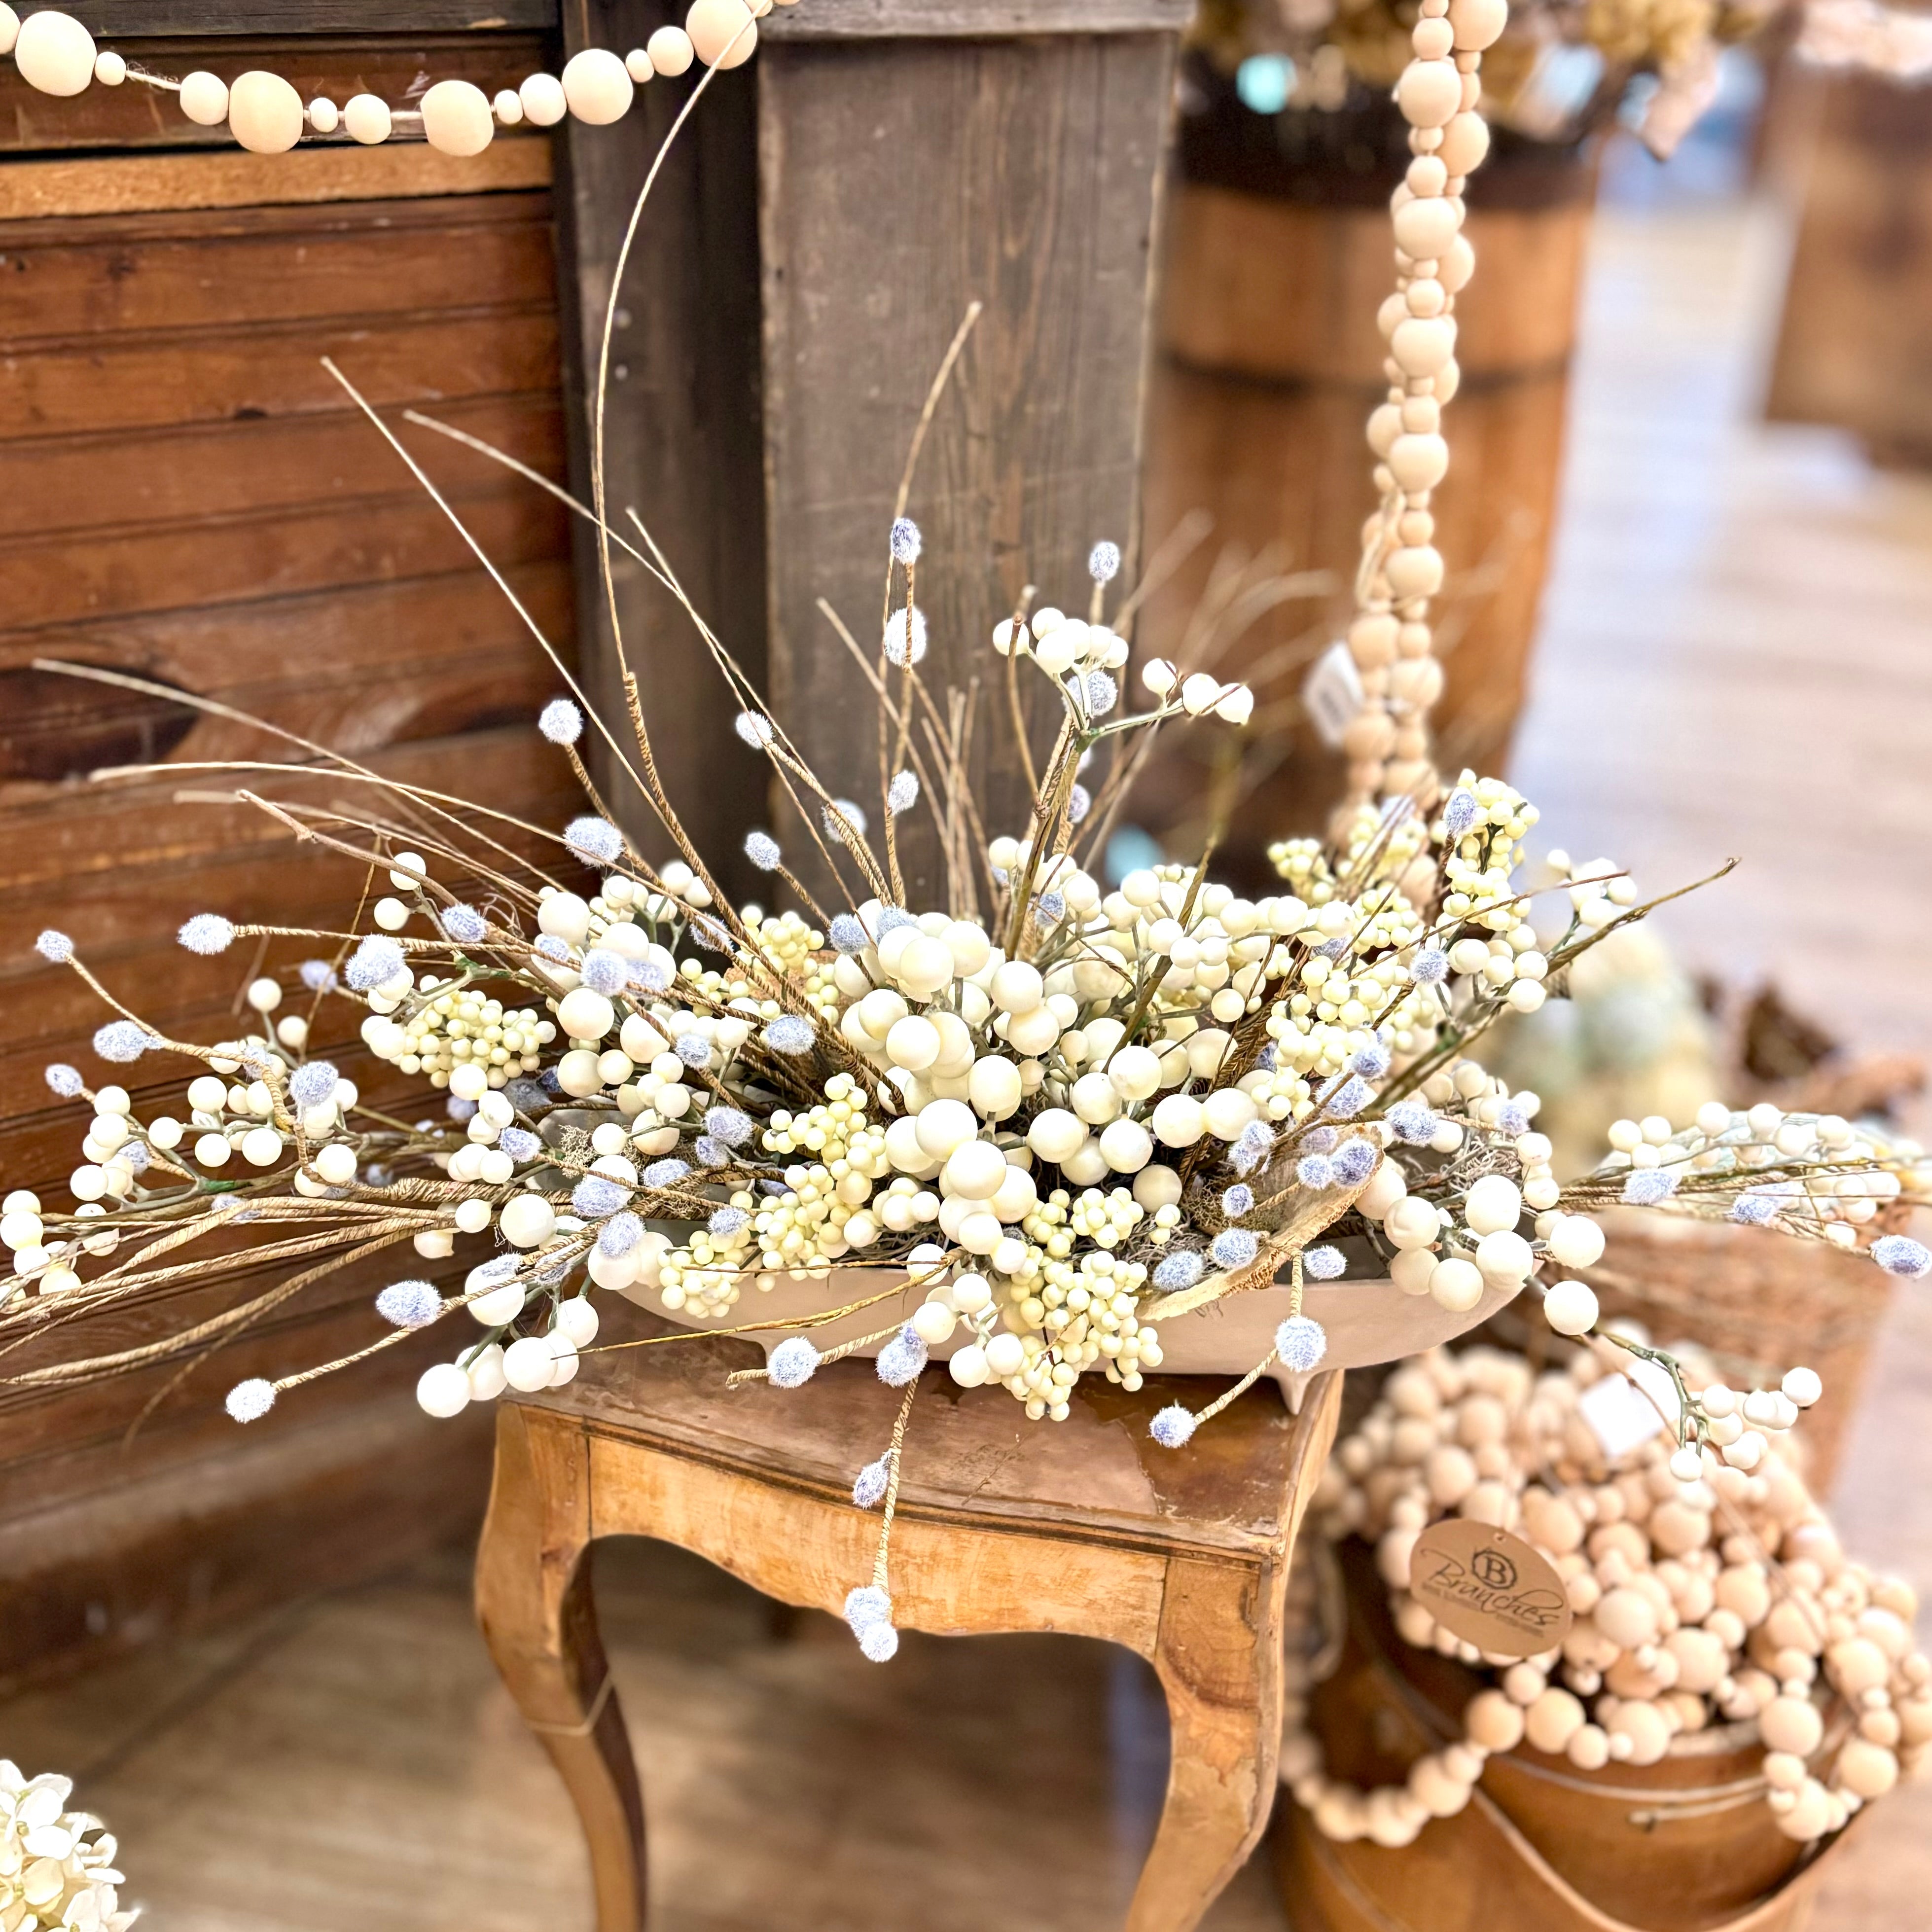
{"type": "Point", "coordinates": [185, 493]}
{"type": "Point", "coordinates": [901, 180]}
{"type": "Point", "coordinates": [123, 18]}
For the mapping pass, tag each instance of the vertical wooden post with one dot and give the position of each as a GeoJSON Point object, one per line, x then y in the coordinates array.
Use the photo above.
{"type": "Point", "coordinates": [911, 157]}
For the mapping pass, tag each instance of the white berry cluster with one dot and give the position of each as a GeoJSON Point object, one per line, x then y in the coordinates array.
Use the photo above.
{"type": "Point", "coordinates": [56, 1866]}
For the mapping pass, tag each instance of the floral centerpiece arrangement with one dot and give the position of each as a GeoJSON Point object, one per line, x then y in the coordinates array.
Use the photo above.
{"type": "Point", "coordinates": [56, 1866]}
{"type": "Point", "coordinates": [1038, 1118]}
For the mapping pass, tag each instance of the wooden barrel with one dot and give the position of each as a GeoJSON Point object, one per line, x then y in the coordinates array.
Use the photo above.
{"type": "Point", "coordinates": [1685, 1845]}
{"type": "Point", "coordinates": [1268, 360]}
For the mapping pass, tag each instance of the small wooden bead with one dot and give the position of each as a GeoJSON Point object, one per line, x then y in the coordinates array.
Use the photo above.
{"type": "Point", "coordinates": [1589, 1748]}
{"type": "Point", "coordinates": [1792, 1724]}
{"type": "Point", "coordinates": [55, 53]}
{"type": "Point", "coordinates": [1416, 681]}
{"type": "Point", "coordinates": [1384, 426]}
{"type": "Point", "coordinates": [597, 87]}
{"type": "Point", "coordinates": [1426, 176]}
{"type": "Point", "coordinates": [671, 51]}
{"type": "Point", "coordinates": [1394, 310]}
{"type": "Point", "coordinates": [324, 116]}
{"type": "Point", "coordinates": [1415, 570]}
{"type": "Point", "coordinates": [1428, 93]}
{"type": "Point", "coordinates": [1553, 1720]}
{"type": "Point", "coordinates": [1425, 296]}
{"type": "Point", "coordinates": [367, 119]}
{"type": "Point", "coordinates": [1432, 40]}
{"type": "Point", "coordinates": [1465, 142]}
{"type": "Point", "coordinates": [1448, 380]}
{"type": "Point", "coordinates": [265, 113]}
{"type": "Point", "coordinates": [457, 119]}
{"type": "Point", "coordinates": [1643, 1726]}
{"type": "Point", "coordinates": [1493, 1722]}
{"type": "Point", "coordinates": [507, 104]}
{"type": "Point", "coordinates": [10, 28]}
{"type": "Point", "coordinates": [1423, 345]}
{"type": "Point", "coordinates": [637, 65]}
{"type": "Point", "coordinates": [1418, 462]}
{"type": "Point", "coordinates": [1372, 639]}
{"type": "Point", "coordinates": [1809, 1816]}
{"type": "Point", "coordinates": [110, 69]}
{"type": "Point", "coordinates": [1471, 91]}
{"type": "Point", "coordinates": [1866, 1769]}
{"type": "Point", "coordinates": [723, 33]}
{"type": "Point", "coordinates": [204, 98]}
{"type": "Point", "coordinates": [544, 102]}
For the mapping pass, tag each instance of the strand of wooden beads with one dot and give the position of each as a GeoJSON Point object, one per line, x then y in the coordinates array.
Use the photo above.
{"type": "Point", "coordinates": [55, 53]}
{"type": "Point", "coordinates": [1387, 741]}
{"type": "Point", "coordinates": [1703, 1592]}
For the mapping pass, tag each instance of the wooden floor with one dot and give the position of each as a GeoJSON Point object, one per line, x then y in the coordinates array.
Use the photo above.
{"type": "Point", "coordinates": [1735, 644]}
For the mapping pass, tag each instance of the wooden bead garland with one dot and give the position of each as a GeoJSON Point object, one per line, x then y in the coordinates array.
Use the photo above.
{"type": "Point", "coordinates": [1387, 743]}
{"type": "Point", "coordinates": [56, 54]}
{"type": "Point", "coordinates": [1723, 1598]}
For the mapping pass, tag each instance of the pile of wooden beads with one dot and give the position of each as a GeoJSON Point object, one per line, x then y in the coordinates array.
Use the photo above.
{"type": "Point", "coordinates": [1725, 1597]}
{"type": "Point", "coordinates": [1387, 741]}
{"type": "Point", "coordinates": [55, 53]}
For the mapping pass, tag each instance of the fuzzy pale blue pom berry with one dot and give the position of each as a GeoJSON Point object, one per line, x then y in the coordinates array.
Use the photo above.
{"type": "Point", "coordinates": [1102, 694]}
{"type": "Point", "coordinates": [848, 933]}
{"type": "Point", "coordinates": [652, 975]}
{"type": "Point", "coordinates": [1049, 909]}
{"type": "Point", "coordinates": [1233, 1248]}
{"type": "Point", "coordinates": [1103, 561]}
{"type": "Point", "coordinates": [1347, 1100]}
{"type": "Point", "coordinates": [1177, 1271]}
{"type": "Point", "coordinates": [313, 1084]}
{"type": "Point", "coordinates": [548, 946]}
{"type": "Point", "coordinates": [1255, 1144]}
{"type": "Point", "coordinates": [1430, 967]}
{"type": "Point", "coordinates": [463, 923]}
{"type": "Point", "coordinates": [619, 1235]}
{"type": "Point", "coordinates": [710, 1153]}
{"type": "Point", "coordinates": [408, 1304]}
{"type": "Point", "coordinates": [1647, 1186]}
{"type": "Point", "coordinates": [207, 932]}
{"type": "Point", "coordinates": [1900, 1254]}
{"type": "Point", "coordinates": [728, 1124]}
{"type": "Point", "coordinates": [726, 1222]}
{"type": "Point", "coordinates": [868, 1488]}
{"type": "Point", "coordinates": [867, 1605]}
{"type": "Point", "coordinates": [374, 963]}
{"type": "Point", "coordinates": [250, 1401]}
{"type": "Point", "coordinates": [1315, 1170]}
{"type": "Point", "coordinates": [900, 1360]}
{"type": "Point", "coordinates": [788, 1033]}
{"type": "Point", "coordinates": [1371, 1060]}
{"type": "Point", "coordinates": [1460, 813]}
{"type": "Point", "coordinates": [1079, 803]}
{"type": "Point", "coordinates": [896, 629]}
{"type": "Point", "coordinates": [1512, 1118]}
{"type": "Point", "coordinates": [459, 1109]}
{"type": "Point", "coordinates": [1301, 1341]}
{"type": "Point", "coordinates": [762, 849]}
{"type": "Point", "coordinates": [594, 839]}
{"type": "Point", "coordinates": [519, 1143]}
{"type": "Point", "coordinates": [1413, 1122]}
{"type": "Point", "coordinates": [902, 794]}
{"type": "Point", "coordinates": [318, 976]}
{"type": "Point", "coordinates": [754, 728]}
{"type": "Point", "coordinates": [1172, 1427]}
{"type": "Point", "coordinates": [560, 721]}
{"type": "Point", "coordinates": [1324, 1264]}
{"type": "Point", "coordinates": [1237, 1201]}
{"type": "Point", "coordinates": [890, 919]}
{"type": "Point", "coordinates": [666, 1173]}
{"type": "Point", "coordinates": [792, 1363]}
{"type": "Point", "coordinates": [605, 972]}
{"type": "Point", "coordinates": [64, 1080]}
{"type": "Point", "coordinates": [122, 1041]}
{"type": "Point", "coordinates": [596, 1197]}
{"type": "Point", "coordinates": [1354, 1161]}
{"type": "Point", "coordinates": [1754, 1210]}
{"type": "Point", "coordinates": [880, 1643]}
{"type": "Point", "coordinates": [905, 541]}
{"type": "Point", "coordinates": [693, 1049]}
{"type": "Point", "coordinates": [56, 946]}
{"type": "Point", "coordinates": [1320, 1140]}
{"type": "Point", "coordinates": [841, 816]}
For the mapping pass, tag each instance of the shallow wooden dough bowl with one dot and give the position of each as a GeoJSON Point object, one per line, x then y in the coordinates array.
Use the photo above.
{"type": "Point", "coordinates": [1368, 1321]}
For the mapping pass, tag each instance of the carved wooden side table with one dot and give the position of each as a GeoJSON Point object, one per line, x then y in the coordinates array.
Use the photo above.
{"type": "Point", "coordinates": [1085, 1526]}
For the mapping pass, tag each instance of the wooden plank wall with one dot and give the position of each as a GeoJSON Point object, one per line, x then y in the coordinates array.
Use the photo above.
{"type": "Point", "coordinates": [185, 493]}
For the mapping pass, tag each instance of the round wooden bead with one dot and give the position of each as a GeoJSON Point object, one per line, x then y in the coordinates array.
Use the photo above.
{"type": "Point", "coordinates": [1418, 463]}
{"type": "Point", "coordinates": [1866, 1769]}
{"type": "Point", "coordinates": [1416, 571]}
{"type": "Point", "coordinates": [1428, 92]}
{"type": "Point", "coordinates": [324, 116]}
{"type": "Point", "coordinates": [457, 119]}
{"type": "Point", "coordinates": [10, 28]}
{"type": "Point", "coordinates": [265, 113]}
{"type": "Point", "coordinates": [1424, 344]}
{"type": "Point", "coordinates": [670, 50]}
{"type": "Point", "coordinates": [1791, 1724]}
{"type": "Point", "coordinates": [1433, 39]}
{"type": "Point", "coordinates": [1372, 639]}
{"type": "Point", "coordinates": [545, 101]}
{"type": "Point", "coordinates": [367, 118]}
{"type": "Point", "coordinates": [204, 98]}
{"type": "Point", "coordinates": [1465, 143]}
{"type": "Point", "coordinates": [1478, 23]}
{"type": "Point", "coordinates": [1416, 681]}
{"type": "Point", "coordinates": [1810, 1817]}
{"type": "Point", "coordinates": [110, 69]}
{"type": "Point", "coordinates": [507, 104]}
{"type": "Point", "coordinates": [597, 87]}
{"type": "Point", "coordinates": [54, 53]}
{"type": "Point", "coordinates": [723, 33]}
{"type": "Point", "coordinates": [1425, 227]}
{"type": "Point", "coordinates": [1493, 1722]}
{"type": "Point", "coordinates": [1447, 381]}
{"type": "Point", "coordinates": [637, 65]}
{"type": "Point", "coordinates": [1644, 1726]}
{"type": "Point", "coordinates": [1553, 1720]}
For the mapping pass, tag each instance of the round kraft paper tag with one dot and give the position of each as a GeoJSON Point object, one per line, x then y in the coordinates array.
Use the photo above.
{"type": "Point", "coordinates": [1489, 1587]}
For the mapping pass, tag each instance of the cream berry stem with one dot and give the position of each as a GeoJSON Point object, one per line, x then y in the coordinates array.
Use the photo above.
{"type": "Point", "coordinates": [1389, 639]}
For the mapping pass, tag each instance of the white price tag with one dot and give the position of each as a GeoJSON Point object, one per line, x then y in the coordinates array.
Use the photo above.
{"type": "Point", "coordinates": [1621, 1416]}
{"type": "Point", "coordinates": [1332, 693]}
